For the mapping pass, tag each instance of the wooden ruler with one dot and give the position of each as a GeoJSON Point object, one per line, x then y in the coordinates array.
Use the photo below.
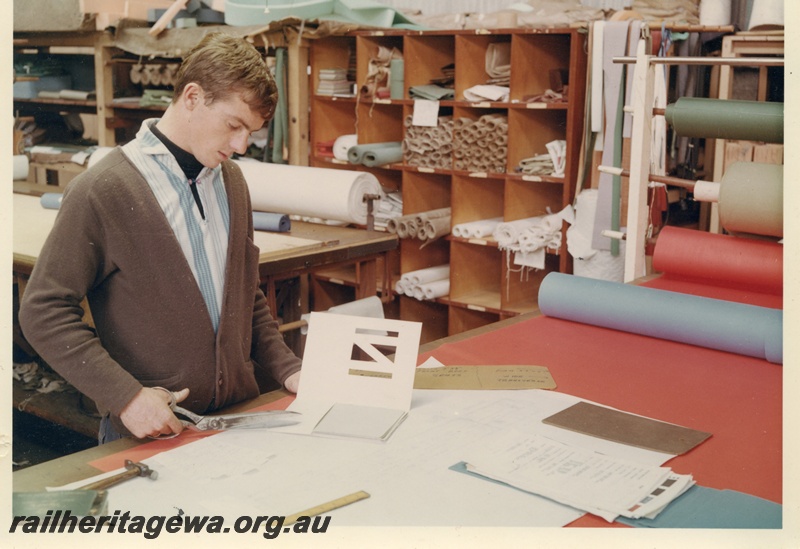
{"type": "Point", "coordinates": [328, 506]}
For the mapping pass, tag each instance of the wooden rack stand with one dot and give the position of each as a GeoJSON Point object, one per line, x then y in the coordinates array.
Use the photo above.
{"type": "Point", "coordinates": [640, 177]}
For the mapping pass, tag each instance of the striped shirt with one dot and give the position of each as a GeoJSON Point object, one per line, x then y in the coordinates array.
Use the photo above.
{"type": "Point", "coordinates": [204, 241]}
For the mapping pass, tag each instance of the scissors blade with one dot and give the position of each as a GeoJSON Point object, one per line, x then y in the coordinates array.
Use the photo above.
{"type": "Point", "coordinates": [254, 420]}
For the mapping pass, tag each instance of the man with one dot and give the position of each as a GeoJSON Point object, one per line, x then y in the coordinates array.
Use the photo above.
{"type": "Point", "coordinates": [158, 237]}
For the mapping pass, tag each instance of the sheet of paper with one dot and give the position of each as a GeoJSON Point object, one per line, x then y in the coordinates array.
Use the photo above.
{"type": "Point", "coordinates": [426, 113]}
{"type": "Point", "coordinates": [603, 485]}
{"type": "Point", "coordinates": [625, 428]}
{"type": "Point", "coordinates": [484, 377]}
{"type": "Point", "coordinates": [359, 361]}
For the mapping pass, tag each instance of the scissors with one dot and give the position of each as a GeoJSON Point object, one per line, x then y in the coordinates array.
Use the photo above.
{"type": "Point", "coordinates": [252, 420]}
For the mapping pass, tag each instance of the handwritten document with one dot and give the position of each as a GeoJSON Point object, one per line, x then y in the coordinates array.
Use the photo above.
{"type": "Point", "coordinates": [603, 485]}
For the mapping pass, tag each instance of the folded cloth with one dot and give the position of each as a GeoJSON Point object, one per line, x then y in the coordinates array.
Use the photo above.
{"type": "Point", "coordinates": [431, 91]}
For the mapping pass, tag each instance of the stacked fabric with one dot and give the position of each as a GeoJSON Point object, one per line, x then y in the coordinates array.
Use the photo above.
{"type": "Point", "coordinates": [551, 163]}
{"type": "Point", "coordinates": [425, 226]}
{"type": "Point", "coordinates": [480, 145]}
{"type": "Point", "coordinates": [425, 284]}
{"type": "Point", "coordinates": [428, 146]}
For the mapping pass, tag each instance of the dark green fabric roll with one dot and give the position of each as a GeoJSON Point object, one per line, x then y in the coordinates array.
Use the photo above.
{"type": "Point", "coordinates": [727, 119]}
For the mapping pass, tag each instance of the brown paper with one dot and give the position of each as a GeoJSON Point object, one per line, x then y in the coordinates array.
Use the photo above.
{"type": "Point", "coordinates": [484, 377]}
{"type": "Point", "coordinates": [625, 428]}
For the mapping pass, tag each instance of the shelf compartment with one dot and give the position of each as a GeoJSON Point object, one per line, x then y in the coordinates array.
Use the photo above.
{"type": "Point", "coordinates": [367, 48]}
{"type": "Point", "coordinates": [476, 198]}
{"type": "Point", "coordinates": [426, 55]}
{"type": "Point", "coordinates": [538, 63]}
{"type": "Point", "coordinates": [425, 191]}
{"type": "Point", "coordinates": [462, 319]}
{"type": "Point", "coordinates": [471, 59]}
{"type": "Point", "coordinates": [530, 198]}
{"type": "Point", "coordinates": [432, 315]}
{"type": "Point", "coordinates": [469, 145]}
{"type": "Point", "coordinates": [521, 286]}
{"type": "Point", "coordinates": [378, 122]}
{"type": "Point", "coordinates": [331, 119]}
{"type": "Point", "coordinates": [475, 275]}
{"type": "Point", "coordinates": [335, 54]}
{"type": "Point", "coordinates": [529, 132]}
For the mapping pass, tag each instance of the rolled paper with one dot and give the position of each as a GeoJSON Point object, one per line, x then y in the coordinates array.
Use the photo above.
{"type": "Point", "coordinates": [727, 119]}
{"type": "Point", "coordinates": [477, 229]}
{"type": "Point", "coordinates": [330, 194]}
{"type": "Point", "coordinates": [342, 144]}
{"type": "Point", "coordinates": [21, 166]}
{"type": "Point", "coordinates": [712, 323]}
{"type": "Point", "coordinates": [751, 199]}
{"type": "Point", "coordinates": [268, 221]}
{"type": "Point", "coordinates": [706, 191]}
{"type": "Point", "coordinates": [434, 289]}
{"type": "Point", "coordinates": [437, 227]}
{"type": "Point", "coordinates": [51, 201]}
{"type": "Point", "coordinates": [744, 263]}
{"type": "Point", "coordinates": [428, 274]}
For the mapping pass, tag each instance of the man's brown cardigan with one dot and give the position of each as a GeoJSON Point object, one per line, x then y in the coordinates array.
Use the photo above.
{"type": "Point", "coordinates": [112, 243]}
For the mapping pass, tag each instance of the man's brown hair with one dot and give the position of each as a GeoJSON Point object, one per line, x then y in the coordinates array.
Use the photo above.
{"type": "Point", "coordinates": [224, 65]}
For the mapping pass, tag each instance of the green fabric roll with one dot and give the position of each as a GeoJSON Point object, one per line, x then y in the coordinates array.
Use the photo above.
{"type": "Point", "coordinates": [375, 153]}
{"type": "Point", "coordinates": [727, 119]}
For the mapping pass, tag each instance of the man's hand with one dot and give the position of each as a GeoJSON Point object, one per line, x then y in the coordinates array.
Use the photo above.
{"type": "Point", "coordinates": [149, 414]}
{"type": "Point", "coordinates": [292, 382]}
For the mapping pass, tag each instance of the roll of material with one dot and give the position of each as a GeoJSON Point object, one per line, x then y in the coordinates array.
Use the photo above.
{"type": "Point", "coordinates": [723, 325]}
{"type": "Point", "coordinates": [274, 222]}
{"type": "Point", "coordinates": [751, 199]}
{"type": "Point", "coordinates": [375, 154]}
{"type": "Point", "coordinates": [396, 78]}
{"type": "Point", "coordinates": [727, 119]}
{"type": "Point", "coordinates": [766, 15]}
{"type": "Point", "coordinates": [51, 201]}
{"type": "Point", "coordinates": [313, 192]}
{"type": "Point", "coordinates": [21, 167]}
{"type": "Point", "coordinates": [477, 229]}
{"type": "Point", "coordinates": [715, 12]}
{"type": "Point", "coordinates": [725, 260]}
{"type": "Point", "coordinates": [342, 144]}
{"type": "Point", "coordinates": [429, 274]}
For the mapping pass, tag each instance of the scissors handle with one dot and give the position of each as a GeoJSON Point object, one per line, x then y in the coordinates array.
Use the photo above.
{"type": "Point", "coordinates": [173, 405]}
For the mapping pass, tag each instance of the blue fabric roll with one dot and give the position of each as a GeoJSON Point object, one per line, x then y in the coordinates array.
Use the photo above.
{"type": "Point", "coordinates": [275, 222]}
{"type": "Point", "coordinates": [716, 324]}
{"type": "Point", "coordinates": [51, 201]}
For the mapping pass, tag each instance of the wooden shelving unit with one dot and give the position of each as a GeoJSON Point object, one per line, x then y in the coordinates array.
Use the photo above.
{"type": "Point", "coordinates": [484, 287]}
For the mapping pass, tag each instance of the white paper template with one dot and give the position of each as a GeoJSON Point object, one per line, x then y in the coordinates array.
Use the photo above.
{"type": "Point", "coordinates": [358, 374]}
